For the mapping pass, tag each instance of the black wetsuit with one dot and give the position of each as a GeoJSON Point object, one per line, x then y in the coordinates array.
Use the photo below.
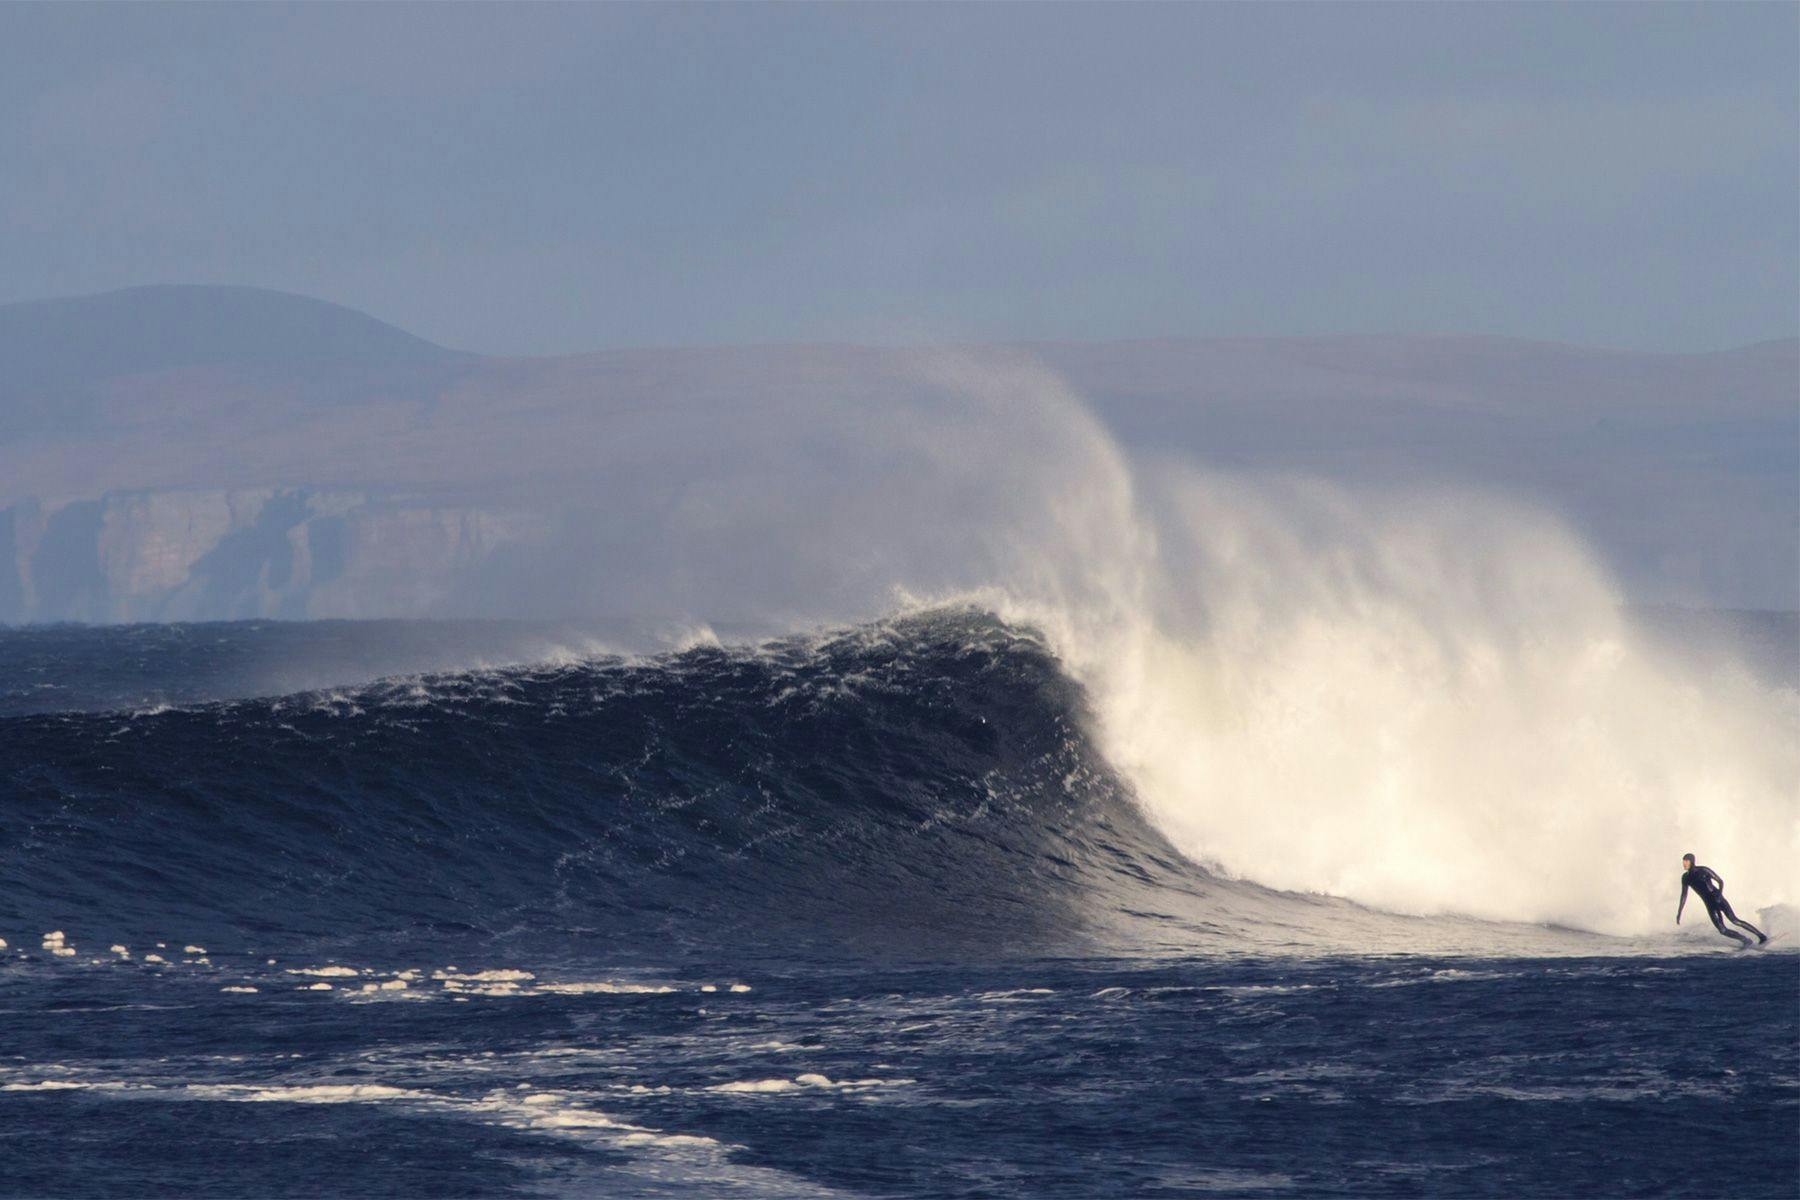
{"type": "Point", "coordinates": [1711, 889]}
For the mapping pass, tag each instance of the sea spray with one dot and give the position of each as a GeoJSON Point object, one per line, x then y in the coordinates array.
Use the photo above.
{"type": "Point", "coordinates": [1434, 705]}
{"type": "Point", "coordinates": [1426, 701]}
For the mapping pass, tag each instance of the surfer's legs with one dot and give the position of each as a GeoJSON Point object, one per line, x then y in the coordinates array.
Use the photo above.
{"type": "Point", "coordinates": [1718, 920]}
{"type": "Point", "coordinates": [1739, 921]}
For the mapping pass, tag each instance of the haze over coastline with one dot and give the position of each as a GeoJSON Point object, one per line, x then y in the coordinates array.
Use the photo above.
{"type": "Point", "coordinates": [197, 453]}
{"type": "Point", "coordinates": [1543, 254]}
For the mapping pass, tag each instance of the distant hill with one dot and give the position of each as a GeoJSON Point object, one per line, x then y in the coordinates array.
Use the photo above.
{"type": "Point", "coordinates": [54, 353]}
{"type": "Point", "coordinates": [58, 342]}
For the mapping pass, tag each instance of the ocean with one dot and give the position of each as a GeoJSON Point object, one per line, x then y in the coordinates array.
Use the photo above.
{"type": "Point", "coordinates": [880, 910]}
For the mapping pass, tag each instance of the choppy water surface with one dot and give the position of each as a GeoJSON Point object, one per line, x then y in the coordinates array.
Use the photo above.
{"type": "Point", "coordinates": [862, 914]}
{"type": "Point", "coordinates": [1051, 1078]}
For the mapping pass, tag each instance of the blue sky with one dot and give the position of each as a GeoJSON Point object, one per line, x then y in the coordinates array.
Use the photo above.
{"type": "Point", "coordinates": [526, 179]}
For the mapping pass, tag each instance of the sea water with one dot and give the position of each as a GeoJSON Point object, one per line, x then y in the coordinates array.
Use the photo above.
{"type": "Point", "coordinates": [872, 911]}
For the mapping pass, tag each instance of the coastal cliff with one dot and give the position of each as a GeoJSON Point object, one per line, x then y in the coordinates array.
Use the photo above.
{"type": "Point", "coordinates": [255, 552]}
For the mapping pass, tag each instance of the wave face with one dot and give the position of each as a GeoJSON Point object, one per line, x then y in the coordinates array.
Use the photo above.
{"type": "Point", "coordinates": [908, 783]}
{"type": "Point", "coordinates": [1429, 701]}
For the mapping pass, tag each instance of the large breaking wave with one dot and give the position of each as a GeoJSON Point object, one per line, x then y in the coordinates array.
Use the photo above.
{"type": "Point", "coordinates": [1428, 703]}
{"type": "Point", "coordinates": [1428, 700]}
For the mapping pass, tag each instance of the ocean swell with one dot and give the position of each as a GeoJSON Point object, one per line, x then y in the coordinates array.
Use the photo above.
{"type": "Point", "coordinates": [1425, 701]}
{"type": "Point", "coordinates": [920, 782]}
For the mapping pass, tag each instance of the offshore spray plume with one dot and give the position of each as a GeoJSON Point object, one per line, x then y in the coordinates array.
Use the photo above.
{"type": "Point", "coordinates": [1429, 703]}
{"type": "Point", "coordinates": [1426, 703]}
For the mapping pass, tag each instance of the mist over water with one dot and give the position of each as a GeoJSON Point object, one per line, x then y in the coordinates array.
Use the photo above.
{"type": "Point", "coordinates": [1436, 704]}
{"type": "Point", "coordinates": [1425, 701]}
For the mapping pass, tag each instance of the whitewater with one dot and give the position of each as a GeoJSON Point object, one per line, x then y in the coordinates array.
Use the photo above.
{"type": "Point", "coordinates": [1395, 696]}
{"type": "Point", "coordinates": [927, 799]}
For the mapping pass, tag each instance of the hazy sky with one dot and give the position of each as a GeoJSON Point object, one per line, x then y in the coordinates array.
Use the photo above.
{"type": "Point", "coordinates": [544, 179]}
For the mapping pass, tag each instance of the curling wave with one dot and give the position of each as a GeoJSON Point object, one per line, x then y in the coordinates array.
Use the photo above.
{"type": "Point", "coordinates": [925, 780]}
{"type": "Point", "coordinates": [1433, 703]}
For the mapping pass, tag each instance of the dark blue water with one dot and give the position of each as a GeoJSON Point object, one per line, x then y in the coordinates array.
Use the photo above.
{"type": "Point", "coordinates": [863, 914]}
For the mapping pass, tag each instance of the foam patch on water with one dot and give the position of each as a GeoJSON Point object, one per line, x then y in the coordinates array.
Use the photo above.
{"type": "Point", "coordinates": [803, 1083]}
{"type": "Point", "coordinates": [758, 1085]}
{"type": "Point", "coordinates": [498, 982]}
{"type": "Point", "coordinates": [609, 988]}
{"type": "Point", "coordinates": [504, 988]}
{"type": "Point", "coordinates": [548, 1112]}
{"type": "Point", "coordinates": [555, 1110]}
{"type": "Point", "coordinates": [363, 983]}
{"type": "Point", "coordinates": [551, 1112]}
{"type": "Point", "coordinates": [1444, 975]}
{"type": "Point", "coordinates": [318, 1093]}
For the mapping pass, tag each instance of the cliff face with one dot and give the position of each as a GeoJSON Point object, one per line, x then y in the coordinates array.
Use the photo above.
{"type": "Point", "coordinates": [161, 459]}
{"type": "Point", "coordinates": [258, 552]}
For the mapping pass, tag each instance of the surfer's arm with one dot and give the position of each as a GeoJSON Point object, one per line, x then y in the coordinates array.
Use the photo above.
{"type": "Point", "coordinates": [1718, 881]}
{"type": "Point", "coordinates": [1683, 904]}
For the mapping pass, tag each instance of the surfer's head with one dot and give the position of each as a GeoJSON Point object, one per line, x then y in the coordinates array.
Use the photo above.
{"type": "Point", "coordinates": [1687, 860]}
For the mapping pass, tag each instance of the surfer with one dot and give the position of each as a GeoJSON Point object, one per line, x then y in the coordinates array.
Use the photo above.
{"type": "Point", "coordinates": [1711, 889]}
